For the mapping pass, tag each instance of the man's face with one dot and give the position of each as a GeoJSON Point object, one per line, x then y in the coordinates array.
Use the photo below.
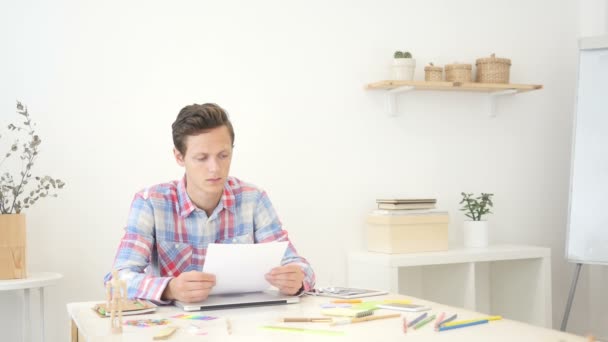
{"type": "Point", "coordinates": [207, 160]}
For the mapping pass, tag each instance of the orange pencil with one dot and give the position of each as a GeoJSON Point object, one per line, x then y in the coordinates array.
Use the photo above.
{"type": "Point", "coordinates": [364, 319]}
{"type": "Point", "coordinates": [350, 301]}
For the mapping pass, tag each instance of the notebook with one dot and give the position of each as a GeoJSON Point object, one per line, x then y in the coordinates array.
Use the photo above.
{"type": "Point", "coordinates": [235, 300]}
{"type": "Point", "coordinates": [129, 307]}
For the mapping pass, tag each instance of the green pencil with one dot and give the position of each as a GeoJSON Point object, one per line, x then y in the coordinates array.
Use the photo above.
{"type": "Point", "coordinates": [422, 323]}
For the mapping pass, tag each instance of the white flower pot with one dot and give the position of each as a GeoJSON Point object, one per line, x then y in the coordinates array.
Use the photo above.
{"type": "Point", "coordinates": [475, 234]}
{"type": "Point", "coordinates": [403, 69]}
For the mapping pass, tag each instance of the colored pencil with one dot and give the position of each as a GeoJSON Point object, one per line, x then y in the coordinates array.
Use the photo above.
{"type": "Point", "coordinates": [347, 301]}
{"type": "Point", "coordinates": [228, 326]}
{"type": "Point", "coordinates": [443, 327]}
{"type": "Point", "coordinates": [307, 319]}
{"type": "Point", "coordinates": [424, 322]}
{"type": "Point", "coordinates": [449, 319]}
{"type": "Point", "coordinates": [412, 323]}
{"type": "Point", "coordinates": [364, 319]}
{"type": "Point", "coordinates": [373, 318]}
{"type": "Point", "coordinates": [439, 320]}
{"type": "Point", "coordinates": [489, 318]}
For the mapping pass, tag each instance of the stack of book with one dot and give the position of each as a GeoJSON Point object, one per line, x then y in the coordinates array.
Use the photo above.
{"type": "Point", "coordinates": [407, 226]}
{"type": "Point", "coordinates": [406, 203]}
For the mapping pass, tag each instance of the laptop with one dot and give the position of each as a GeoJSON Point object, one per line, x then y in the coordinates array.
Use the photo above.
{"type": "Point", "coordinates": [238, 300]}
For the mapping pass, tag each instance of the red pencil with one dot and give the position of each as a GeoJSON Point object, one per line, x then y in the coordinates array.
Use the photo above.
{"type": "Point", "coordinates": [441, 317]}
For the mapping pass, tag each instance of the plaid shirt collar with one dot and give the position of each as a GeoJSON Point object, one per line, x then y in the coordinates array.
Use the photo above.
{"type": "Point", "coordinates": [186, 206]}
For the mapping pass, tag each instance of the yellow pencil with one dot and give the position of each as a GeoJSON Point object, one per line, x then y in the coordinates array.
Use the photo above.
{"type": "Point", "coordinates": [489, 318]}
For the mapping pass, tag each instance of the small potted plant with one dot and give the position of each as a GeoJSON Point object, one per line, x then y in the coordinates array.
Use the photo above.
{"type": "Point", "coordinates": [403, 66]}
{"type": "Point", "coordinates": [476, 230]}
{"type": "Point", "coordinates": [19, 190]}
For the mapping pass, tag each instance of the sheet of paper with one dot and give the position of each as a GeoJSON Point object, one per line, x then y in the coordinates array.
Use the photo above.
{"type": "Point", "coordinates": [241, 267]}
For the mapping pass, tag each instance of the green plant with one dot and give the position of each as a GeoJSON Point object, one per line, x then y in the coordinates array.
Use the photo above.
{"type": "Point", "coordinates": [399, 54]}
{"type": "Point", "coordinates": [11, 192]}
{"type": "Point", "coordinates": [475, 208]}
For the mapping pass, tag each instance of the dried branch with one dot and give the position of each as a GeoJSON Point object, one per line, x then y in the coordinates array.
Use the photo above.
{"type": "Point", "coordinates": [11, 192]}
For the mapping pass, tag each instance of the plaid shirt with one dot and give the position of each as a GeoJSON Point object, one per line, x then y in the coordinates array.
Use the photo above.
{"type": "Point", "coordinates": [166, 234]}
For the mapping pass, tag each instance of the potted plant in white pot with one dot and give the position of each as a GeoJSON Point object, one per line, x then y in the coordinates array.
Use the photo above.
{"type": "Point", "coordinates": [476, 230]}
{"type": "Point", "coordinates": [19, 191]}
{"type": "Point", "coordinates": [403, 66]}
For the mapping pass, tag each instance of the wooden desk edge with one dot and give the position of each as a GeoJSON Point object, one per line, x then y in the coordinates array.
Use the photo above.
{"type": "Point", "coordinates": [76, 336]}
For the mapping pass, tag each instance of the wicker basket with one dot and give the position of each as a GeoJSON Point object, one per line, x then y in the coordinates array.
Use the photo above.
{"type": "Point", "coordinates": [459, 72]}
{"type": "Point", "coordinates": [433, 73]}
{"type": "Point", "coordinates": [493, 70]}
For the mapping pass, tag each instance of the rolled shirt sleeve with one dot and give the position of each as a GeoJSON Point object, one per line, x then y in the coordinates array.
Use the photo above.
{"type": "Point", "coordinates": [136, 251]}
{"type": "Point", "coordinates": [268, 228]}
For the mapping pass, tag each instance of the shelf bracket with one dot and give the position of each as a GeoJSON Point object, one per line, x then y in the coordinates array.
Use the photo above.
{"type": "Point", "coordinates": [492, 98]}
{"type": "Point", "coordinates": [391, 98]}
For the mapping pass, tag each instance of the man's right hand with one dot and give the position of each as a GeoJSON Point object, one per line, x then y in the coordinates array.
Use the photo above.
{"type": "Point", "coordinates": [189, 287]}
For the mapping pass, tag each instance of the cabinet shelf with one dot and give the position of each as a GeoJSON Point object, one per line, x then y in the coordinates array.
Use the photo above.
{"type": "Point", "coordinates": [493, 90]}
{"type": "Point", "coordinates": [512, 281]}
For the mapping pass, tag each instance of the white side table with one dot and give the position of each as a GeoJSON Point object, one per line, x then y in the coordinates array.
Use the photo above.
{"type": "Point", "coordinates": [35, 280]}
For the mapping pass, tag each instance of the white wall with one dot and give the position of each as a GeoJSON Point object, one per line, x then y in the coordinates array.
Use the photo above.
{"type": "Point", "coordinates": [593, 17]}
{"type": "Point", "coordinates": [104, 81]}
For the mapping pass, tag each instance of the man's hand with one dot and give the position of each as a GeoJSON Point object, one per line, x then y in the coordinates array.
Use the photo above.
{"type": "Point", "coordinates": [288, 278]}
{"type": "Point", "coordinates": [189, 287]}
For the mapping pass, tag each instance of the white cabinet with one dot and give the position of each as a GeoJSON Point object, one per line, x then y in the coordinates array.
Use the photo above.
{"type": "Point", "coordinates": [34, 280]}
{"type": "Point", "coordinates": [512, 281]}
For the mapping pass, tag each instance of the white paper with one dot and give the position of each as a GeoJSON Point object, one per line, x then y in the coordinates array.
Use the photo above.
{"type": "Point", "coordinates": [240, 268]}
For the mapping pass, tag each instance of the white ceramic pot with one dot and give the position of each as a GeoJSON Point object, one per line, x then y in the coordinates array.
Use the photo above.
{"type": "Point", "coordinates": [475, 234]}
{"type": "Point", "coordinates": [403, 69]}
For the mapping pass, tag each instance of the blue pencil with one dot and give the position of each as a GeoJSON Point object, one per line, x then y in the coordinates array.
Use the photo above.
{"type": "Point", "coordinates": [442, 328]}
{"type": "Point", "coordinates": [412, 323]}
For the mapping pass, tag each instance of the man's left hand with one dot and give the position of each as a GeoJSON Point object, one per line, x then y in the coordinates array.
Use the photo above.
{"type": "Point", "coordinates": [288, 278]}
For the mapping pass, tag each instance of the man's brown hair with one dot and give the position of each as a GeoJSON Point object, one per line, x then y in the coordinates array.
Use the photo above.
{"type": "Point", "coordinates": [195, 119]}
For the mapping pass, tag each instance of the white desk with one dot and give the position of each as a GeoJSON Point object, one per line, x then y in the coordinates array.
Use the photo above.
{"type": "Point", "coordinates": [246, 323]}
{"type": "Point", "coordinates": [34, 280]}
{"type": "Point", "coordinates": [512, 281]}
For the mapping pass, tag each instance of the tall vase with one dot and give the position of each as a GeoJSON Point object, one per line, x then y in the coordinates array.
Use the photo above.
{"type": "Point", "coordinates": [475, 234]}
{"type": "Point", "coordinates": [12, 246]}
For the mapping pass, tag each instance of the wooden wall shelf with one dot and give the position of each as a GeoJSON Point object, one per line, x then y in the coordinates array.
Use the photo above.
{"type": "Point", "coordinates": [492, 89]}
{"type": "Point", "coordinates": [460, 86]}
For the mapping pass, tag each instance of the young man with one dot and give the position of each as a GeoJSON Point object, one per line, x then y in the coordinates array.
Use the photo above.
{"type": "Point", "coordinates": [171, 224]}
